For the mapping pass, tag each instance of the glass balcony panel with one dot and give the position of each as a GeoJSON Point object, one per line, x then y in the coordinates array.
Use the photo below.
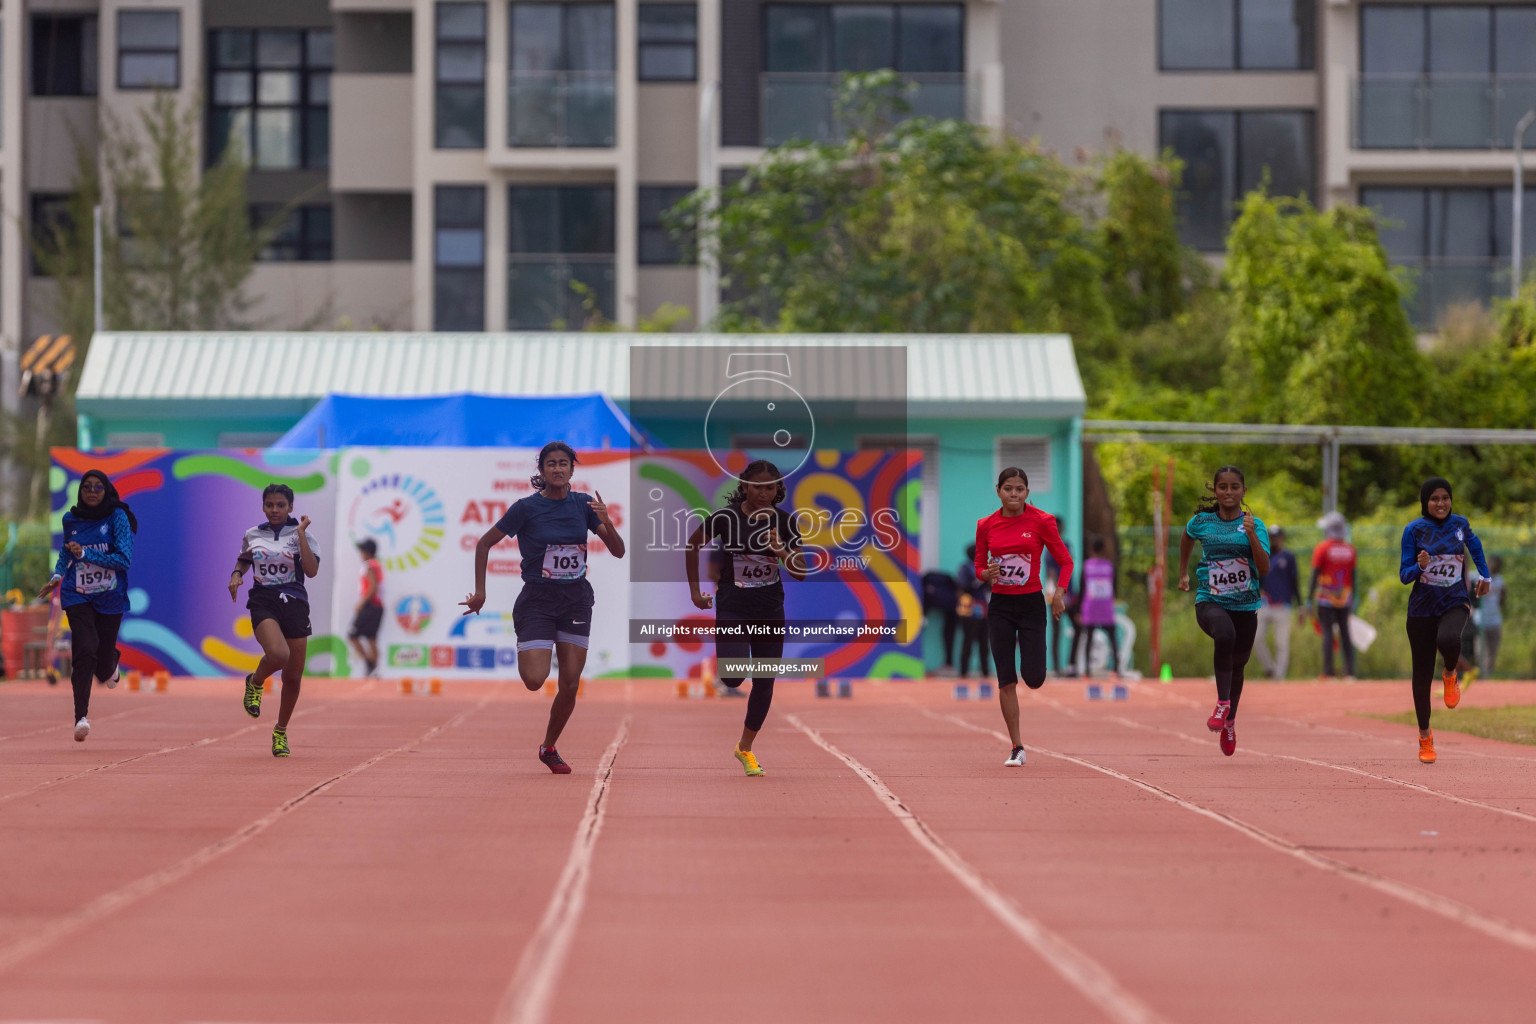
{"type": "Point", "coordinates": [803, 106]}
{"type": "Point", "coordinates": [1387, 112]}
{"type": "Point", "coordinates": [543, 292]}
{"type": "Point", "coordinates": [1459, 112]}
{"type": "Point", "coordinates": [1513, 96]}
{"type": "Point", "coordinates": [560, 108]}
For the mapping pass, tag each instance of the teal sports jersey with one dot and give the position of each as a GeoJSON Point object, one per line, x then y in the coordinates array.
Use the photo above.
{"type": "Point", "coordinates": [1227, 573]}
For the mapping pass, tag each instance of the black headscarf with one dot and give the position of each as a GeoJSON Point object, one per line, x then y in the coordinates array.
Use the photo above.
{"type": "Point", "coordinates": [110, 502]}
{"type": "Point", "coordinates": [1432, 485]}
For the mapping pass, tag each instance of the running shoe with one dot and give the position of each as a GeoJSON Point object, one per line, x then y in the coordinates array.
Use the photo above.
{"type": "Point", "coordinates": [252, 696]}
{"type": "Point", "coordinates": [117, 673]}
{"type": "Point", "coordinates": [553, 761]}
{"type": "Point", "coordinates": [279, 742]}
{"type": "Point", "coordinates": [1427, 749]}
{"type": "Point", "coordinates": [1015, 759]}
{"type": "Point", "coordinates": [749, 762]}
{"type": "Point", "coordinates": [1228, 739]}
{"type": "Point", "coordinates": [1219, 716]}
{"type": "Point", "coordinates": [1452, 688]}
{"type": "Point", "coordinates": [82, 730]}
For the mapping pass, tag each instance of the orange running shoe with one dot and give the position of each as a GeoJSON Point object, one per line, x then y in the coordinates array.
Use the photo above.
{"type": "Point", "coordinates": [1427, 749]}
{"type": "Point", "coordinates": [1452, 688]}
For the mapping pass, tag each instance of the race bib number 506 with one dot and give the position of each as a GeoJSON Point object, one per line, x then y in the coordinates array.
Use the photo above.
{"type": "Point", "coordinates": [1230, 576]}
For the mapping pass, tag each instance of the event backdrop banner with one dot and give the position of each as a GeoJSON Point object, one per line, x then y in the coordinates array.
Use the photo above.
{"type": "Point", "coordinates": [427, 507]}
{"type": "Point", "coordinates": [193, 508]}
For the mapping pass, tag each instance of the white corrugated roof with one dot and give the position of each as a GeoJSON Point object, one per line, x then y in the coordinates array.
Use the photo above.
{"type": "Point", "coordinates": [972, 374]}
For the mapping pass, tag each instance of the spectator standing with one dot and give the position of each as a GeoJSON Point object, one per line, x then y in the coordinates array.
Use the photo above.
{"type": "Point", "coordinates": [1279, 590]}
{"type": "Point", "coordinates": [1332, 590]}
{"type": "Point", "coordinates": [1492, 616]}
{"type": "Point", "coordinates": [971, 608]}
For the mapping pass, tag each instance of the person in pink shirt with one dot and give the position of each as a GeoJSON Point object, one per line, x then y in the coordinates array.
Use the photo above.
{"type": "Point", "coordinates": [1097, 610]}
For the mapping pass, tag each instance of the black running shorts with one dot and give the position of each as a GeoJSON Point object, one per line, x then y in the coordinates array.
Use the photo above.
{"type": "Point", "coordinates": [290, 613]}
{"type": "Point", "coordinates": [365, 625]}
{"type": "Point", "coordinates": [547, 613]}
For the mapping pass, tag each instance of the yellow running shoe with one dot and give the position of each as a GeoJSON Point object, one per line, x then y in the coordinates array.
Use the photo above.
{"type": "Point", "coordinates": [1427, 749]}
{"type": "Point", "coordinates": [749, 762]}
{"type": "Point", "coordinates": [279, 742]}
{"type": "Point", "coordinates": [1452, 688]}
{"type": "Point", "coordinates": [252, 700]}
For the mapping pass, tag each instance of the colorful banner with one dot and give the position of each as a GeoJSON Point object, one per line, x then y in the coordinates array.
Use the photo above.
{"type": "Point", "coordinates": [193, 508]}
{"type": "Point", "coordinates": [427, 507]}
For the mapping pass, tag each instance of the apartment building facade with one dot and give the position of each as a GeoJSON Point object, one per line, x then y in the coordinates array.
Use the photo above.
{"type": "Point", "coordinates": [485, 164]}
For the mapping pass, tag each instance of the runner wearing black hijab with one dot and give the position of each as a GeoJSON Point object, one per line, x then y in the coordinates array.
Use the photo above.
{"type": "Point", "coordinates": [92, 579]}
{"type": "Point", "coordinates": [1434, 562]}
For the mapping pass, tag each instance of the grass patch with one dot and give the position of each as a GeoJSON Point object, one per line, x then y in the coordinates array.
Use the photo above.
{"type": "Point", "coordinates": [1515, 723]}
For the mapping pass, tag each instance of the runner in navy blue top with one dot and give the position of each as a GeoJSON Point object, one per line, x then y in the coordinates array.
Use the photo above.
{"type": "Point", "coordinates": [553, 612]}
{"type": "Point", "coordinates": [282, 555]}
{"type": "Point", "coordinates": [92, 579]}
{"type": "Point", "coordinates": [1434, 562]}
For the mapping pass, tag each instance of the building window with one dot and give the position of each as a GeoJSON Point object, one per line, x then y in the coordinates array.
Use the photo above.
{"type": "Point", "coordinates": [1228, 153]}
{"type": "Point", "coordinates": [1031, 454]}
{"type": "Point", "coordinates": [560, 87]}
{"type": "Point", "coordinates": [560, 248]}
{"type": "Point", "coordinates": [51, 221]}
{"type": "Point", "coordinates": [912, 38]}
{"type": "Point", "coordinates": [1438, 76]}
{"type": "Point", "coordinates": [1456, 240]}
{"type": "Point", "coordinates": [271, 97]}
{"type": "Point", "coordinates": [458, 258]}
{"type": "Point", "coordinates": [460, 71]}
{"type": "Point", "coordinates": [304, 234]}
{"type": "Point", "coordinates": [148, 49]}
{"type": "Point", "coordinates": [657, 245]}
{"type": "Point", "coordinates": [64, 49]}
{"type": "Point", "coordinates": [1236, 35]}
{"type": "Point", "coordinates": [669, 42]}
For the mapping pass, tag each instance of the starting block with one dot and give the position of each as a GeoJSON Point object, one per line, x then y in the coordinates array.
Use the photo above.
{"type": "Point", "coordinates": [162, 681]}
{"type": "Point", "coordinates": [409, 686]}
{"type": "Point", "coordinates": [984, 691]}
{"type": "Point", "coordinates": [695, 689]}
{"type": "Point", "coordinates": [135, 681]}
{"type": "Point", "coordinates": [1118, 692]}
{"type": "Point", "coordinates": [844, 688]}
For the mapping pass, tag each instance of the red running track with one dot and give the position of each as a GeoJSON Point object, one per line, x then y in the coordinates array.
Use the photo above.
{"type": "Point", "coordinates": [412, 862]}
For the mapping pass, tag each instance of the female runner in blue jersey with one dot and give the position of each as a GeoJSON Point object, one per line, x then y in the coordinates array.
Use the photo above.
{"type": "Point", "coordinates": [553, 612]}
{"type": "Point", "coordinates": [1435, 563]}
{"type": "Point", "coordinates": [282, 555]}
{"type": "Point", "coordinates": [1234, 554]}
{"type": "Point", "coordinates": [92, 579]}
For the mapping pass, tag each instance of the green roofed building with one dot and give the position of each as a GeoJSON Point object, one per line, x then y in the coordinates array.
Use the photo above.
{"type": "Point", "coordinates": [973, 403]}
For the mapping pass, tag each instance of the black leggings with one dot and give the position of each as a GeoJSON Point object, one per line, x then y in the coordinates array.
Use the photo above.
{"type": "Point", "coordinates": [1427, 635]}
{"type": "Point", "coordinates": [93, 650]}
{"type": "Point", "coordinates": [1018, 619]}
{"type": "Point", "coordinates": [770, 646]}
{"type": "Point", "coordinates": [1084, 636]}
{"type": "Point", "coordinates": [1233, 633]}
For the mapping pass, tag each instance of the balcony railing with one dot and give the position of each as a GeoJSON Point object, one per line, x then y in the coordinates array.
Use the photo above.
{"type": "Point", "coordinates": [560, 108]}
{"type": "Point", "coordinates": [557, 292]}
{"type": "Point", "coordinates": [1440, 111]}
{"type": "Point", "coordinates": [803, 106]}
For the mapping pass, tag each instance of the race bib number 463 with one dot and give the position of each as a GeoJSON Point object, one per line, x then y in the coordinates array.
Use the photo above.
{"type": "Point", "coordinates": [1014, 570]}
{"type": "Point", "coordinates": [755, 570]}
{"type": "Point", "coordinates": [1443, 571]}
{"type": "Point", "coordinates": [1230, 576]}
{"type": "Point", "coordinates": [565, 562]}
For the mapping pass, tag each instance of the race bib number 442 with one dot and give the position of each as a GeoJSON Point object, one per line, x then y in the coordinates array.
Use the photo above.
{"type": "Point", "coordinates": [1442, 571]}
{"type": "Point", "coordinates": [565, 562]}
{"type": "Point", "coordinates": [1230, 576]}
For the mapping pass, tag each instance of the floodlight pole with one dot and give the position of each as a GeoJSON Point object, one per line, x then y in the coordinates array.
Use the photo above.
{"type": "Point", "coordinates": [709, 182]}
{"type": "Point", "coordinates": [1518, 216]}
{"type": "Point", "coordinates": [101, 320]}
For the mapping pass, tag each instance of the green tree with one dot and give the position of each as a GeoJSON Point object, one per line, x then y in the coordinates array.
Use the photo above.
{"type": "Point", "coordinates": [1149, 275]}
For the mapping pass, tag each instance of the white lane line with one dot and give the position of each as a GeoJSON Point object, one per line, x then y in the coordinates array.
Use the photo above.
{"type": "Point", "coordinates": [1307, 726]}
{"type": "Point", "coordinates": [1351, 769]}
{"type": "Point", "coordinates": [110, 903]}
{"type": "Point", "coordinates": [527, 998]}
{"type": "Point", "coordinates": [144, 756]}
{"type": "Point", "coordinates": [1494, 927]}
{"type": "Point", "coordinates": [62, 729]}
{"type": "Point", "coordinates": [1084, 973]}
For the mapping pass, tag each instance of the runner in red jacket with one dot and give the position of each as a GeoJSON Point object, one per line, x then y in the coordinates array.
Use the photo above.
{"type": "Point", "coordinates": [1009, 544]}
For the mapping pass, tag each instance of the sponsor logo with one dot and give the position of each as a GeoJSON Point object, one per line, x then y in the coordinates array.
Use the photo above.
{"type": "Point", "coordinates": [413, 612]}
{"type": "Point", "coordinates": [407, 655]}
{"type": "Point", "coordinates": [477, 657]}
{"type": "Point", "coordinates": [403, 515]}
{"type": "Point", "coordinates": [442, 657]}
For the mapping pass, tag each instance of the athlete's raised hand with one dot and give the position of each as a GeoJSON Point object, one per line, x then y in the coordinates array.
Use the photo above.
{"type": "Point", "coordinates": [303, 523]}
{"type": "Point", "coordinates": [601, 509]}
{"type": "Point", "coordinates": [992, 571]}
{"type": "Point", "coordinates": [1423, 559]}
{"type": "Point", "coordinates": [474, 602]}
{"type": "Point", "coordinates": [1248, 526]}
{"type": "Point", "coordinates": [74, 549]}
